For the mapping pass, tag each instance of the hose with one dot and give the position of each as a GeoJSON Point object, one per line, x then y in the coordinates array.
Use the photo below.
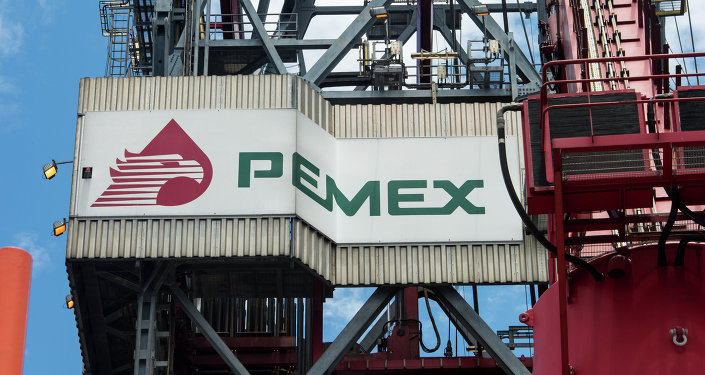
{"type": "Point", "coordinates": [673, 194]}
{"type": "Point", "coordinates": [684, 209]}
{"type": "Point", "coordinates": [597, 275]}
{"type": "Point", "coordinates": [435, 329]}
{"type": "Point", "coordinates": [680, 254]}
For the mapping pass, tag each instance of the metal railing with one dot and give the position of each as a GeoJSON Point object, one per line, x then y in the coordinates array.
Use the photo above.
{"type": "Point", "coordinates": [239, 26]}
{"type": "Point", "coordinates": [630, 142]}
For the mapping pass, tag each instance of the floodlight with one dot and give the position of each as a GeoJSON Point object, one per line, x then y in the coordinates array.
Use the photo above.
{"type": "Point", "coordinates": [59, 227]}
{"type": "Point", "coordinates": [379, 12]}
{"type": "Point", "coordinates": [480, 10]}
{"type": "Point", "coordinates": [52, 168]}
{"type": "Point", "coordinates": [69, 302]}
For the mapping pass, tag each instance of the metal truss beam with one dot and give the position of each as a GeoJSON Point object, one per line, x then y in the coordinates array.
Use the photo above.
{"type": "Point", "coordinates": [494, 31]}
{"type": "Point", "coordinates": [289, 44]}
{"type": "Point", "coordinates": [525, 7]}
{"type": "Point", "coordinates": [101, 363]}
{"type": "Point", "coordinates": [208, 332]}
{"type": "Point", "coordinates": [468, 318]}
{"type": "Point", "coordinates": [415, 96]}
{"type": "Point", "coordinates": [146, 325]}
{"type": "Point", "coordinates": [118, 280]}
{"type": "Point", "coordinates": [353, 330]}
{"type": "Point", "coordinates": [259, 29]}
{"type": "Point", "coordinates": [337, 51]}
{"type": "Point", "coordinates": [368, 342]}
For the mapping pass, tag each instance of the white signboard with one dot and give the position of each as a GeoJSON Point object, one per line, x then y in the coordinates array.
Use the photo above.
{"type": "Point", "coordinates": [277, 162]}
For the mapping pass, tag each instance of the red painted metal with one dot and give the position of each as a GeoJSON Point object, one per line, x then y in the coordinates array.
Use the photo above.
{"type": "Point", "coordinates": [621, 326]}
{"type": "Point", "coordinates": [561, 273]}
{"type": "Point", "coordinates": [404, 339]}
{"type": "Point", "coordinates": [15, 279]}
{"type": "Point", "coordinates": [372, 364]}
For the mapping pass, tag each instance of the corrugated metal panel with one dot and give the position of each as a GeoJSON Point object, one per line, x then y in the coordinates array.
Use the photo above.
{"type": "Point", "coordinates": [177, 237]}
{"type": "Point", "coordinates": [164, 93]}
{"type": "Point", "coordinates": [227, 237]}
{"type": "Point", "coordinates": [420, 120]}
{"type": "Point", "coordinates": [437, 263]}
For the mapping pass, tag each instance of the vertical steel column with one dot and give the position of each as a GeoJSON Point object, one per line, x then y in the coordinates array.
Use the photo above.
{"type": "Point", "coordinates": [317, 320]}
{"type": "Point", "coordinates": [207, 36]}
{"type": "Point", "coordinates": [424, 37]}
{"type": "Point", "coordinates": [196, 34]}
{"type": "Point", "coordinates": [562, 272]}
{"type": "Point", "coordinates": [146, 324]}
{"type": "Point", "coordinates": [411, 312]}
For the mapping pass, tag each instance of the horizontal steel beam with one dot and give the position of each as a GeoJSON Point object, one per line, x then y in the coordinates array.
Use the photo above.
{"type": "Point", "coordinates": [415, 96]}
{"type": "Point", "coordinates": [525, 7]}
{"type": "Point", "coordinates": [289, 43]}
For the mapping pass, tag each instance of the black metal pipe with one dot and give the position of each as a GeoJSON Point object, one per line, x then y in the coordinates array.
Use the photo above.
{"type": "Point", "coordinates": [673, 194]}
{"type": "Point", "coordinates": [597, 275]}
{"type": "Point", "coordinates": [680, 254]}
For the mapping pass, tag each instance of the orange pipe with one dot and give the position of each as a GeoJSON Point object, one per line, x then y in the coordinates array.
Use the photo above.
{"type": "Point", "coordinates": [15, 278]}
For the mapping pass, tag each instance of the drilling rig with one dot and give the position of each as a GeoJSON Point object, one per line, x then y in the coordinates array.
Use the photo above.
{"type": "Point", "coordinates": [234, 168]}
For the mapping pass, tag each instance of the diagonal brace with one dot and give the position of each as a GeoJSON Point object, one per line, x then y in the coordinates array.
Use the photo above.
{"type": "Point", "coordinates": [494, 31]}
{"type": "Point", "coordinates": [258, 28]}
{"type": "Point", "coordinates": [208, 332]}
{"type": "Point", "coordinates": [337, 51]}
{"type": "Point", "coordinates": [353, 330]}
{"type": "Point", "coordinates": [468, 318]}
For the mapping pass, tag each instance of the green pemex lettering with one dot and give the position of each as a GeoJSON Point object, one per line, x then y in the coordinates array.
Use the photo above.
{"type": "Point", "coordinates": [245, 166]}
{"type": "Point", "coordinates": [371, 189]}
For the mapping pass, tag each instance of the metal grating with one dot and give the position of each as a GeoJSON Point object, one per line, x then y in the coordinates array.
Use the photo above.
{"type": "Point", "coordinates": [583, 166]}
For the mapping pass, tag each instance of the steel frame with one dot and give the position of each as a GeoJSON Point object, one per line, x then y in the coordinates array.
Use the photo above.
{"type": "Point", "coordinates": [175, 53]}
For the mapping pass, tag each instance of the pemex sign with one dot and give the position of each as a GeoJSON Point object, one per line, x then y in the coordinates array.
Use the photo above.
{"type": "Point", "coordinates": [277, 162]}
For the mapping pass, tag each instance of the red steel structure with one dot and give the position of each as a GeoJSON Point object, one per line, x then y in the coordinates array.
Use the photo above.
{"type": "Point", "coordinates": [609, 153]}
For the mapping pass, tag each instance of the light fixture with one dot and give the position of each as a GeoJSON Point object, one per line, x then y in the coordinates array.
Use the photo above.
{"type": "Point", "coordinates": [480, 10]}
{"type": "Point", "coordinates": [59, 227]}
{"type": "Point", "coordinates": [51, 168]}
{"type": "Point", "coordinates": [379, 12]}
{"type": "Point", "coordinates": [69, 302]}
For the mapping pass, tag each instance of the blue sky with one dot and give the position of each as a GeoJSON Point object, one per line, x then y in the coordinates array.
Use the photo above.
{"type": "Point", "coordinates": [45, 48]}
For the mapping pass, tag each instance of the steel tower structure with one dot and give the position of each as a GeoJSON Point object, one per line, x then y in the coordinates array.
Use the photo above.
{"type": "Point", "coordinates": [171, 278]}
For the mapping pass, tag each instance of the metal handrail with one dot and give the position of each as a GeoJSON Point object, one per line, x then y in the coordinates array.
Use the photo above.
{"type": "Point", "coordinates": [545, 108]}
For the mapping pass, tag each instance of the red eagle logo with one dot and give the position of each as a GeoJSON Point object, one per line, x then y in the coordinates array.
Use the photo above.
{"type": "Point", "coordinates": [170, 171]}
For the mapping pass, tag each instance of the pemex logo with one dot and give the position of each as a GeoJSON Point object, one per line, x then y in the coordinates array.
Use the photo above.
{"type": "Point", "coordinates": [170, 171]}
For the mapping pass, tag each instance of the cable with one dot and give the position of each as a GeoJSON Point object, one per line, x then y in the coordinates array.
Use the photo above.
{"type": "Point", "coordinates": [662, 261]}
{"type": "Point", "coordinates": [692, 41]}
{"type": "Point", "coordinates": [680, 254]}
{"type": "Point", "coordinates": [435, 329]}
{"type": "Point", "coordinates": [597, 275]}
{"type": "Point", "coordinates": [680, 43]}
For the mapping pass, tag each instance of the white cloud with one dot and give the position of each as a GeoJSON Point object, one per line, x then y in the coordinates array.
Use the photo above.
{"type": "Point", "coordinates": [344, 304]}
{"type": "Point", "coordinates": [6, 86]}
{"type": "Point", "coordinates": [40, 255]}
{"type": "Point", "coordinates": [11, 34]}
